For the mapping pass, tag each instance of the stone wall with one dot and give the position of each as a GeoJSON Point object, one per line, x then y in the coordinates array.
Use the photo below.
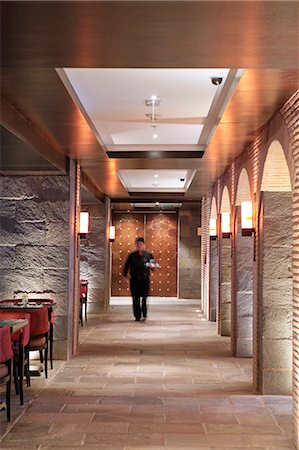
{"type": "Point", "coordinates": [189, 253]}
{"type": "Point", "coordinates": [225, 286]}
{"type": "Point", "coordinates": [276, 295]}
{"type": "Point", "coordinates": [35, 244]}
{"type": "Point", "coordinates": [93, 257]}
{"type": "Point", "coordinates": [214, 275]}
{"type": "Point", "coordinates": [244, 290]}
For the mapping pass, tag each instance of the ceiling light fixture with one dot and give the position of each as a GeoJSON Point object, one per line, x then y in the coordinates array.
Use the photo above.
{"type": "Point", "coordinates": [157, 203]}
{"type": "Point", "coordinates": [156, 175]}
{"type": "Point", "coordinates": [153, 102]}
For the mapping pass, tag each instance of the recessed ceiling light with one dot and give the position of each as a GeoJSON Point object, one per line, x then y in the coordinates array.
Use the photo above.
{"type": "Point", "coordinates": [156, 175]}
{"type": "Point", "coordinates": [157, 203]}
{"type": "Point", "coordinates": [154, 97]}
{"type": "Point", "coordinates": [155, 135]}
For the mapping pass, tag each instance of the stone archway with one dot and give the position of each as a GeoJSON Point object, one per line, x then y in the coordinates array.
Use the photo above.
{"type": "Point", "coordinates": [214, 264]}
{"type": "Point", "coordinates": [242, 275]}
{"type": "Point", "coordinates": [275, 246]}
{"type": "Point", "coordinates": [225, 260]}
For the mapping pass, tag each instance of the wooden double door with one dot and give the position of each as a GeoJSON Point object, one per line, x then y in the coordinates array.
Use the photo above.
{"type": "Point", "coordinates": [161, 234]}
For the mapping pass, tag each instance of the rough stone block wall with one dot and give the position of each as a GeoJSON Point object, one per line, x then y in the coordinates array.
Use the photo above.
{"type": "Point", "coordinates": [276, 364]}
{"type": "Point", "coordinates": [214, 273]}
{"type": "Point", "coordinates": [225, 287]}
{"type": "Point", "coordinates": [92, 258]}
{"type": "Point", "coordinates": [34, 244]}
{"type": "Point", "coordinates": [189, 254]}
{"type": "Point", "coordinates": [244, 291]}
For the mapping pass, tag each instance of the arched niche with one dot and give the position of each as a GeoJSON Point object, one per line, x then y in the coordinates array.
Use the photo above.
{"type": "Point", "coordinates": [276, 174]}
{"type": "Point", "coordinates": [224, 301]}
{"type": "Point", "coordinates": [214, 268]}
{"type": "Point", "coordinates": [243, 188]}
{"type": "Point", "coordinates": [225, 201]}
{"type": "Point", "coordinates": [275, 247]}
{"type": "Point", "coordinates": [242, 302]}
{"type": "Point", "coordinates": [213, 209]}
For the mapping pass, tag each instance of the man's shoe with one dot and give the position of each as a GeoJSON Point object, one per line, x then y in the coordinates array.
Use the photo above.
{"type": "Point", "coordinates": [137, 320]}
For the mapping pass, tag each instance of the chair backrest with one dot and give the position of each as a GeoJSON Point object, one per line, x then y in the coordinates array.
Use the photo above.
{"type": "Point", "coordinates": [6, 352]}
{"type": "Point", "coordinates": [23, 335]}
{"type": "Point", "coordinates": [39, 320]}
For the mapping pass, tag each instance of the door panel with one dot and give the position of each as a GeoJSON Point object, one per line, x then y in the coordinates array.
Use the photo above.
{"type": "Point", "coordinates": [160, 233]}
{"type": "Point", "coordinates": [161, 240]}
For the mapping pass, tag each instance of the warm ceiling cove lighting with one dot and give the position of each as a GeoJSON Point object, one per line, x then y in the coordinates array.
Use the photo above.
{"type": "Point", "coordinates": [246, 218]}
{"type": "Point", "coordinates": [84, 223]}
{"type": "Point", "coordinates": [112, 233]}
{"type": "Point", "coordinates": [225, 224]}
{"type": "Point", "coordinates": [213, 228]}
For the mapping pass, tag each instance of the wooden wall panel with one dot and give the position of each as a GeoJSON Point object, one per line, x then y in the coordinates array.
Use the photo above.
{"type": "Point", "coordinates": [161, 237]}
{"type": "Point", "coordinates": [160, 233]}
{"type": "Point", "coordinates": [127, 228]}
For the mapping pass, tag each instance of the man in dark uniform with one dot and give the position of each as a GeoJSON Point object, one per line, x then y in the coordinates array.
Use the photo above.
{"type": "Point", "coordinates": [138, 264]}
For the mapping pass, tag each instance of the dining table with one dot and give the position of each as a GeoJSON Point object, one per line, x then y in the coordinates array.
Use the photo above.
{"type": "Point", "coordinates": [20, 305]}
{"type": "Point", "coordinates": [14, 324]}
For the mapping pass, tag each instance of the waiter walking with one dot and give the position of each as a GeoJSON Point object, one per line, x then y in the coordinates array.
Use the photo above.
{"type": "Point", "coordinates": [139, 265]}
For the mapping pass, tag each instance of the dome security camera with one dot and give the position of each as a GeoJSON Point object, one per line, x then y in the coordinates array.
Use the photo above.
{"type": "Point", "coordinates": [182, 179]}
{"type": "Point", "coordinates": [216, 81]}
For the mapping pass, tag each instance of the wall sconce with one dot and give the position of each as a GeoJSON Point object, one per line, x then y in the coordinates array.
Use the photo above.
{"type": "Point", "coordinates": [225, 224]}
{"type": "Point", "coordinates": [84, 224]}
{"type": "Point", "coordinates": [112, 233]}
{"type": "Point", "coordinates": [213, 228]}
{"type": "Point", "coordinates": [246, 218]}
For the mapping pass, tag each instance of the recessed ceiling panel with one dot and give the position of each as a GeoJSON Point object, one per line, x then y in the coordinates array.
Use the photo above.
{"type": "Point", "coordinates": [114, 101]}
{"type": "Point", "coordinates": [156, 180]}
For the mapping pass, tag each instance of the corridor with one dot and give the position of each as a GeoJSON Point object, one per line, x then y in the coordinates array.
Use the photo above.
{"type": "Point", "coordinates": [168, 383]}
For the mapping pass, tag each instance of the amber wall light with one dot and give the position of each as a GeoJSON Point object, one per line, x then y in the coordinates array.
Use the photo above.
{"type": "Point", "coordinates": [112, 233]}
{"type": "Point", "coordinates": [84, 224]}
{"type": "Point", "coordinates": [246, 218]}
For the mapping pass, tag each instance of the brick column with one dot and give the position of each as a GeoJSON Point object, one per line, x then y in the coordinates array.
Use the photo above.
{"type": "Point", "coordinates": [275, 294]}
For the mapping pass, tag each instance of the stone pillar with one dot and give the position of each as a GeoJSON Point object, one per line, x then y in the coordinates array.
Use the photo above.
{"type": "Point", "coordinates": [189, 255]}
{"type": "Point", "coordinates": [276, 294]}
{"type": "Point", "coordinates": [243, 290]}
{"type": "Point", "coordinates": [214, 278]}
{"type": "Point", "coordinates": [225, 286]}
{"type": "Point", "coordinates": [93, 257]}
{"type": "Point", "coordinates": [36, 229]}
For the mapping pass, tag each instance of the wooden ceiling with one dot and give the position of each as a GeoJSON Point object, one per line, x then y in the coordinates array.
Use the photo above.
{"type": "Point", "coordinates": [37, 37]}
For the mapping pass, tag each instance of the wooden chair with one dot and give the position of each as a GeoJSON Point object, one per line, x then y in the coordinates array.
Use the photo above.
{"type": "Point", "coordinates": [20, 341]}
{"type": "Point", "coordinates": [6, 357]}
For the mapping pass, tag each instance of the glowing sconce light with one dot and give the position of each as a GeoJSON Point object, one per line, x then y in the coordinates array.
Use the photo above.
{"type": "Point", "coordinates": [225, 224]}
{"type": "Point", "coordinates": [213, 228]}
{"type": "Point", "coordinates": [246, 218]}
{"type": "Point", "coordinates": [84, 224]}
{"type": "Point", "coordinates": [112, 233]}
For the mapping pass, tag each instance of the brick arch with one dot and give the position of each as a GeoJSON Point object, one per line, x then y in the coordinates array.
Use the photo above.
{"type": "Point", "coordinates": [213, 209]}
{"type": "Point", "coordinates": [225, 199]}
{"type": "Point", "coordinates": [275, 171]}
{"type": "Point", "coordinates": [244, 189]}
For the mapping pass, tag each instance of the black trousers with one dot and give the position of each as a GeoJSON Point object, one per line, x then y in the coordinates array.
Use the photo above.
{"type": "Point", "coordinates": [138, 309]}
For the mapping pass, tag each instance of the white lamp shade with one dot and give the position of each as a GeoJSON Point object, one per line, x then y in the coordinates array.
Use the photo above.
{"type": "Point", "coordinates": [225, 222]}
{"type": "Point", "coordinates": [246, 215]}
{"type": "Point", "coordinates": [112, 233]}
{"type": "Point", "coordinates": [84, 222]}
{"type": "Point", "coordinates": [213, 229]}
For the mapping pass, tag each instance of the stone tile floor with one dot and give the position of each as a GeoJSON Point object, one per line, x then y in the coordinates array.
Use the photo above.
{"type": "Point", "coordinates": [169, 383]}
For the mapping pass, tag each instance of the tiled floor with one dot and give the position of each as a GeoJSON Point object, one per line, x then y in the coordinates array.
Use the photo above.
{"type": "Point", "coordinates": [169, 383]}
